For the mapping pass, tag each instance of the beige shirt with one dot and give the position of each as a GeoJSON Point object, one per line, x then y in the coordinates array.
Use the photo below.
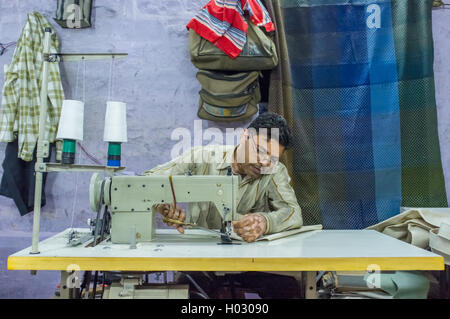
{"type": "Point", "coordinates": [271, 195]}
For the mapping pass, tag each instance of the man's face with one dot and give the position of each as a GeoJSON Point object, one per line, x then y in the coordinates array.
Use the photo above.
{"type": "Point", "coordinates": [258, 155]}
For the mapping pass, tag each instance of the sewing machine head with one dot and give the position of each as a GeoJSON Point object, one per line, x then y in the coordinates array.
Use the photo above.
{"type": "Point", "coordinates": [131, 200]}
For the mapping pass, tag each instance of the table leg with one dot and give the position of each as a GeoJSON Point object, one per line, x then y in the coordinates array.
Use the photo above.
{"type": "Point", "coordinates": [299, 277]}
{"type": "Point", "coordinates": [64, 289]}
{"type": "Point", "coordinates": [444, 283]}
{"type": "Point", "coordinates": [310, 284]}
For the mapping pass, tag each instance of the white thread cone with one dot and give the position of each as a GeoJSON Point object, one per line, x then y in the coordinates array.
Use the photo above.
{"type": "Point", "coordinates": [71, 120]}
{"type": "Point", "coordinates": [115, 122]}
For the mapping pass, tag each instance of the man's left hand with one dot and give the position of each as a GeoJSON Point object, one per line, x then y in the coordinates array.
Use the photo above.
{"type": "Point", "coordinates": [250, 227]}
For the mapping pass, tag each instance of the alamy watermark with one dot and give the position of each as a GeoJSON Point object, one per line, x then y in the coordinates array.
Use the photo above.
{"type": "Point", "coordinates": [74, 16]}
{"type": "Point", "coordinates": [255, 146]}
{"type": "Point", "coordinates": [74, 279]}
{"type": "Point", "coordinates": [373, 279]}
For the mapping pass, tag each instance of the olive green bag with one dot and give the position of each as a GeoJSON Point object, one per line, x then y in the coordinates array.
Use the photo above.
{"type": "Point", "coordinates": [228, 97]}
{"type": "Point", "coordinates": [259, 53]}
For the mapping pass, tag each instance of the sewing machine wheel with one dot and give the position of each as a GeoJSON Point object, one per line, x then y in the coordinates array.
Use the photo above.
{"type": "Point", "coordinates": [95, 192]}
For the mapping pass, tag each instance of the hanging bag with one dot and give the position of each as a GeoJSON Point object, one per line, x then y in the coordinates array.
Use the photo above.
{"type": "Point", "coordinates": [259, 53]}
{"type": "Point", "coordinates": [74, 14]}
{"type": "Point", "coordinates": [228, 97]}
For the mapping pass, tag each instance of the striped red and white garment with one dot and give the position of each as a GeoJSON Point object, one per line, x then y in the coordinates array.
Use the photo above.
{"type": "Point", "coordinates": [222, 22]}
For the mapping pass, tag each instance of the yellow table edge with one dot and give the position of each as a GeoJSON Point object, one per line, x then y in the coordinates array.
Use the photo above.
{"type": "Point", "coordinates": [224, 264]}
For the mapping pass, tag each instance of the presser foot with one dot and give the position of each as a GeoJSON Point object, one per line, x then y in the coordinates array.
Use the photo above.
{"type": "Point", "coordinates": [225, 238]}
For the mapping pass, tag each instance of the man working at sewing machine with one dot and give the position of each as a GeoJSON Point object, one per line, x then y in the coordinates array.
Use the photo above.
{"type": "Point", "coordinates": [266, 202]}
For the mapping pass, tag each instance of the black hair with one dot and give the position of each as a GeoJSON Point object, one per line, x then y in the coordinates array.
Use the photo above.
{"type": "Point", "coordinates": [270, 120]}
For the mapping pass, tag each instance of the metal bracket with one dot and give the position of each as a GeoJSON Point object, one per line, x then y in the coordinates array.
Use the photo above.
{"type": "Point", "coordinates": [43, 149]}
{"type": "Point", "coordinates": [40, 167]}
{"type": "Point", "coordinates": [57, 167]}
{"type": "Point", "coordinates": [76, 238]}
{"type": "Point", "coordinates": [43, 146]}
{"type": "Point", "coordinates": [73, 57]}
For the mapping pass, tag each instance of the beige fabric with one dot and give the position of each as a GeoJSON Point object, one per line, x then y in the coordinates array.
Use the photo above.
{"type": "Point", "coordinates": [282, 234]}
{"type": "Point", "coordinates": [270, 195]}
{"type": "Point", "coordinates": [444, 231]}
{"type": "Point", "coordinates": [440, 241]}
{"type": "Point", "coordinates": [413, 226]}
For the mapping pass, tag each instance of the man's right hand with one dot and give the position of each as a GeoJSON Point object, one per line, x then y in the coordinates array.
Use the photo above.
{"type": "Point", "coordinates": [167, 210]}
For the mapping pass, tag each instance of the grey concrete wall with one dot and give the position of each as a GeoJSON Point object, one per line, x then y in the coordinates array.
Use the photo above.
{"type": "Point", "coordinates": [157, 81]}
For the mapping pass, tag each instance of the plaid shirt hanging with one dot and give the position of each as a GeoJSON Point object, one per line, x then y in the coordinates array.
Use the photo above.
{"type": "Point", "coordinates": [21, 91]}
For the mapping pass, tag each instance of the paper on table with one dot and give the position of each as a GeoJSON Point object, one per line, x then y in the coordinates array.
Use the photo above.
{"type": "Point", "coordinates": [282, 234]}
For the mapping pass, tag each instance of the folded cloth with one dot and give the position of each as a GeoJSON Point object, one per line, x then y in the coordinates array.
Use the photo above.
{"type": "Point", "coordinates": [222, 23]}
{"type": "Point", "coordinates": [440, 241]}
{"type": "Point", "coordinates": [413, 226]}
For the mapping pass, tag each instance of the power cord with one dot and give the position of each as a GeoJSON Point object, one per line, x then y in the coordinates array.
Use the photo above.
{"type": "Point", "coordinates": [4, 46]}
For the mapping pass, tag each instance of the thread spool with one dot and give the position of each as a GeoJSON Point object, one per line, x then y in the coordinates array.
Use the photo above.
{"type": "Point", "coordinates": [70, 128]}
{"type": "Point", "coordinates": [68, 153]}
{"type": "Point", "coordinates": [115, 131]}
{"type": "Point", "coordinates": [114, 154]}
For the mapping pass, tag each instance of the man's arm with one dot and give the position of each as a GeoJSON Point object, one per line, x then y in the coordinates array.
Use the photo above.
{"type": "Point", "coordinates": [179, 166]}
{"type": "Point", "coordinates": [286, 213]}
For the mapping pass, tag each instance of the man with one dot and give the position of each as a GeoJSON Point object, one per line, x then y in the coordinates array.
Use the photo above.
{"type": "Point", "coordinates": [266, 201]}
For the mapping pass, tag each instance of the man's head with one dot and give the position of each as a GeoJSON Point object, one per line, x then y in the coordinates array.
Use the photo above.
{"type": "Point", "coordinates": [262, 144]}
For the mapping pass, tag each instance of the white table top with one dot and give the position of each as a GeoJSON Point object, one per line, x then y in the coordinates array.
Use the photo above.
{"type": "Point", "coordinates": [343, 250]}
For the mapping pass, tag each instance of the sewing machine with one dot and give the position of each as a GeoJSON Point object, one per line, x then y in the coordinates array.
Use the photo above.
{"type": "Point", "coordinates": [131, 201]}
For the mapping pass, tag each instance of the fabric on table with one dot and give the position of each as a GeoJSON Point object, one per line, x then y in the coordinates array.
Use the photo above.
{"type": "Point", "coordinates": [440, 244]}
{"type": "Point", "coordinates": [283, 234]}
{"type": "Point", "coordinates": [223, 23]}
{"type": "Point", "coordinates": [413, 226]}
{"type": "Point", "coordinates": [355, 83]}
{"type": "Point", "coordinates": [21, 91]}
